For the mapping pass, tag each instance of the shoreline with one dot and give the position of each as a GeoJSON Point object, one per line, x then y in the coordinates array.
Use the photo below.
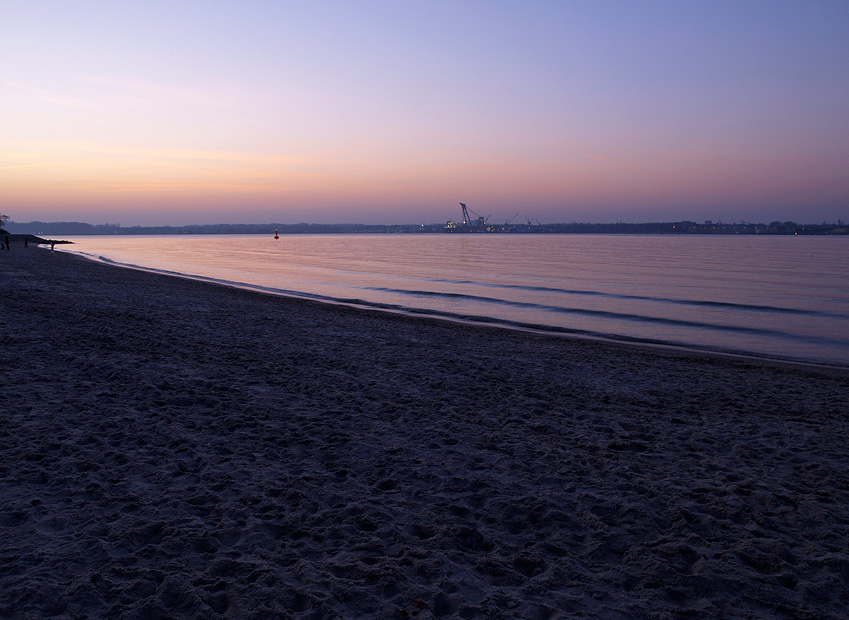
{"type": "Point", "coordinates": [174, 447]}
{"type": "Point", "coordinates": [488, 322]}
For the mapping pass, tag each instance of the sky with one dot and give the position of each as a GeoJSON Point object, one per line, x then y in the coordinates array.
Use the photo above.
{"type": "Point", "coordinates": [393, 111]}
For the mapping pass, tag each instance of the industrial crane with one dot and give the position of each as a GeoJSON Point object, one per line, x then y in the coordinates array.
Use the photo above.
{"type": "Point", "coordinates": [466, 217]}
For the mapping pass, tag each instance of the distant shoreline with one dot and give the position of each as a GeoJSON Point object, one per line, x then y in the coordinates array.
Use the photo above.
{"type": "Point", "coordinates": [650, 228]}
{"type": "Point", "coordinates": [36, 240]}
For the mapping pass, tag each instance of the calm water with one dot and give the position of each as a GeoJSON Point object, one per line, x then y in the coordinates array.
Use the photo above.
{"type": "Point", "coordinates": [782, 297]}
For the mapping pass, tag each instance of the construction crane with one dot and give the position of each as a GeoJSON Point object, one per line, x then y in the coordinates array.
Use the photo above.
{"type": "Point", "coordinates": [468, 224]}
{"type": "Point", "coordinates": [466, 217]}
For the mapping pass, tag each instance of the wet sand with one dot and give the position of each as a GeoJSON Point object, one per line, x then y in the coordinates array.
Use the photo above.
{"type": "Point", "coordinates": [176, 449]}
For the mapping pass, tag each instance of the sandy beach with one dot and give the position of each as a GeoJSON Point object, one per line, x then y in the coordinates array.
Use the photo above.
{"type": "Point", "coordinates": [176, 449]}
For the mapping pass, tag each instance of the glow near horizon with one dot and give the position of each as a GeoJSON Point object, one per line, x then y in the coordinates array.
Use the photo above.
{"type": "Point", "coordinates": [392, 111]}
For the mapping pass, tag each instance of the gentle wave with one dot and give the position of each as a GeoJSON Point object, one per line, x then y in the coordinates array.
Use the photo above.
{"type": "Point", "coordinates": [666, 300]}
{"type": "Point", "coordinates": [614, 315]}
{"type": "Point", "coordinates": [775, 298]}
{"type": "Point", "coordinates": [488, 320]}
{"type": "Point", "coordinates": [363, 303]}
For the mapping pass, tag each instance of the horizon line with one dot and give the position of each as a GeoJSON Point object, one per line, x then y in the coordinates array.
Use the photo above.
{"type": "Point", "coordinates": [536, 222]}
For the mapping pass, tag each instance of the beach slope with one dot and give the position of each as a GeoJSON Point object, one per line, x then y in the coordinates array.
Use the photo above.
{"type": "Point", "coordinates": [176, 449]}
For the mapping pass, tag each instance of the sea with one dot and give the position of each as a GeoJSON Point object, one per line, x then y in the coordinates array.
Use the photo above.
{"type": "Point", "coordinates": [779, 297]}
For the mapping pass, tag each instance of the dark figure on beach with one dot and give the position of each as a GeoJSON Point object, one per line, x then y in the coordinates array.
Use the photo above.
{"type": "Point", "coordinates": [7, 243]}
{"type": "Point", "coordinates": [52, 245]}
{"type": "Point", "coordinates": [26, 242]}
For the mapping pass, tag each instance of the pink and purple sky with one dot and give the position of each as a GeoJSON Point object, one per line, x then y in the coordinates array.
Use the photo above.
{"type": "Point", "coordinates": [392, 111]}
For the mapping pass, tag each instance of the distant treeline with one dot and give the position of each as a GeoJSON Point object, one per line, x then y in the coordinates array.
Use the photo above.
{"type": "Point", "coordinates": [80, 228]}
{"type": "Point", "coordinates": [662, 228]}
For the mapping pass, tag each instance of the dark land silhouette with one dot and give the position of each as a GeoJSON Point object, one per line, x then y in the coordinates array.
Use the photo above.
{"type": "Point", "coordinates": [650, 228]}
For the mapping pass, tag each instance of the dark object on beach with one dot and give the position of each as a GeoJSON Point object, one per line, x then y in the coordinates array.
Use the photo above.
{"type": "Point", "coordinates": [8, 247]}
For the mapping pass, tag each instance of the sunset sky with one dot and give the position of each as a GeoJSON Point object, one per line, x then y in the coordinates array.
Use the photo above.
{"type": "Point", "coordinates": [392, 111]}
